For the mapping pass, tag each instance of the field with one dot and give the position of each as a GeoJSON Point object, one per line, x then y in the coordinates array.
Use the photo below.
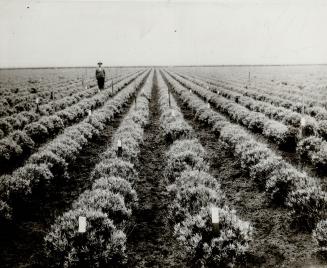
{"type": "Point", "coordinates": [168, 166]}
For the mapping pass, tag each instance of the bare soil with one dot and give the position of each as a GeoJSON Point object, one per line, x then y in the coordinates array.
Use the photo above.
{"type": "Point", "coordinates": [151, 243]}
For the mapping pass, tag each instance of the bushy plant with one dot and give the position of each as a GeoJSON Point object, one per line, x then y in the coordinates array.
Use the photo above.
{"type": "Point", "coordinates": [264, 168]}
{"type": "Point", "coordinates": [308, 146]}
{"type": "Point", "coordinates": [193, 190]}
{"type": "Point", "coordinates": [118, 185]}
{"type": "Point", "coordinates": [116, 167]}
{"type": "Point", "coordinates": [23, 140]}
{"type": "Point", "coordinates": [183, 155]}
{"type": "Point", "coordinates": [319, 159]}
{"type": "Point", "coordinates": [55, 163]}
{"type": "Point", "coordinates": [101, 245]}
{"type": "Point", "coordinates": [320, 237]}
{"type": "Point", "coordinates": [5, 127]}
{"type": "Point", "coordinates": [112, 204]}
{"type": "Point", "coordinates": [224, 248]}
{"type": "Point", "coordinates": [322, 129]}
{"type": "Point", "coordinates": [37, 132]}
{"type": "Point", "coordinates": [285, 180]}
{"type": "Point", "coordinates": [308, 205]}
{"type": "Point", "coordinates": [9, 150]}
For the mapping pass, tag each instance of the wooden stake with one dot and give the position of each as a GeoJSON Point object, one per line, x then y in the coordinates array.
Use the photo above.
{"type": "Point", "coordinates": [215, 220]}
{"type": "Point", "coordinates": [120, 148]}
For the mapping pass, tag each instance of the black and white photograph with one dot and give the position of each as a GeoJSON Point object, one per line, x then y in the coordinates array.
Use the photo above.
{"type": "Point", "coordinates": [163, 133]}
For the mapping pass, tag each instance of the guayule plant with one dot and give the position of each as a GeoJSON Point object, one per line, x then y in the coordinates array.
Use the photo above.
{"type": "Point", "coordinates": [264, 168]}
{"type": "Point", "coordinates": [320, 237]}
{"type": "Point", "coordinates": [101, 245]}
{"type": "Point", "coordinates": [285, 180]}
{"type": "Point", "coordinates": [115, 167]}
{"type": "Point", "coordinates": [193, 190]}
{"type": "Point", "coordinates": [118, 185]}
{"type": "Point", "coordinates": [308, 205]}
{"type": "Point", "coordinates": [225, 248]}
{"type": "Point", "coordinates": [183, 155]}
{"type": "Point", "coordinates": [103, 200]}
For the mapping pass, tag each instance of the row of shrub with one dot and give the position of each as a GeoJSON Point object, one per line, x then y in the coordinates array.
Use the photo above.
{"type": "Point", "coordinates": [22, 98]}
{"type": "Point", "coordinates": [286, 116]}
{"type": "Point", "coordinates": [193, 192]}
{"type": "Point", "coordinates": [313, 108]}
{"type": "Point", "coordinates": [51, 160]}
{"type": "Point", "coordinates": [20, 143]}
{"type": "Point", "coordinates": [283, 184]}
{"type": "Point", "coordinates": [108, 205]}
{"type": "Point", "coordinates": [275, 131]}
{"type": "Point", "coordinates": [172, 122]}
{"type": "Point", "coordinates": [18, 121]}
{"type": "Point", "coordinates": [311, 149]}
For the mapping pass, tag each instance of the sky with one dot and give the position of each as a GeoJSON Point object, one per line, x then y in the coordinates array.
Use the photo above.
{"type": "Point", "coordinates": [53, 33]}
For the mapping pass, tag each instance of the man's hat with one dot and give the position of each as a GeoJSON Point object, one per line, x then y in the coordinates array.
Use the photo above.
{"type": "Point", "coordinates": [100, 63]}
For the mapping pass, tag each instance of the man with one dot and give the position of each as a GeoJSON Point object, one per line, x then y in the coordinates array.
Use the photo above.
{"type": "Point", "coordinates": [100, 74]}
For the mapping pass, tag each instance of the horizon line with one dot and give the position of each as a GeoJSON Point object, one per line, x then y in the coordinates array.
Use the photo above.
{"type": "Point", "coordinates": [140, 66]}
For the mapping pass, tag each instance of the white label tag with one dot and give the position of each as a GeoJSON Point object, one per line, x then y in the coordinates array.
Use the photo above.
{"type": "Point", "coordinates": [89, 112]}
{"type": "Point", "coordinates": [214, 215]}
{"type": "Point", "coordinates": [37, 100]}
{"type": "Point", "coordinates": [81, 224]}
{"type": "Point", "coordinates": [208, 105]}
{"type": "Point", "coordinates": [302, 122]}
{"type": "Point", "coordinates": [173, 113]}
{"type": "Point", "coordinates": [119, 143]}
{"type": "Point", "coordinates": [218, 92]}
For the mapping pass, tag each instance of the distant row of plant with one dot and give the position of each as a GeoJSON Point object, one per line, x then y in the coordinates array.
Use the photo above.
{"type": "Point", "coordinates": [194, 194]}
{"type": "Point", "coordinates": [287, 137]}
{"type": "Point", "coordinates": [282, 183]}
{"type": "Point", "coordinates": [51, 161]}
{"type": "Point", "coordinates": [279, 98]}
{"type": "Point", "coordinates": [50, 98]}
{"type": "Point", "coordinates": [20, 144]}
{"type": "Point", "coordinates": [20, 120]}
{"type": "Point", "coordinates": [108, 205]}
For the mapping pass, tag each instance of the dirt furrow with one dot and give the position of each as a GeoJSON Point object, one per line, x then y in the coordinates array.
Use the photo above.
{"type": "Point", "coordinates": [151, 243]}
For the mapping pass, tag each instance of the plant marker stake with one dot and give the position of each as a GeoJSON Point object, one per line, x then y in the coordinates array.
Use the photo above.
{"type": "Point", "coordinates": [81, 224]}
{"type": "Point", "coordinates": [37, 101]}
{"type": "Point", "coordinates": [120, 149]}
{"type": "Point", "coordinates": [173, 112]}
{"type": "Point", "coordinates": [112, 86]}
{"type": "Point", "coordinates": [169, 97]}
{"type": "Point", "coordinates": [215, 219]}
{"type": "Point", "coordinates": [208, 105]}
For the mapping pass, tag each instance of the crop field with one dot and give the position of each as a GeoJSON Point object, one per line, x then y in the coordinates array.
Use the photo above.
{"type": "Point", "coordinates": [165, 167]}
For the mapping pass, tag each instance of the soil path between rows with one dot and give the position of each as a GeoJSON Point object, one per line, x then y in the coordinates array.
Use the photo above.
{"type": "Point", "coordinates": [151, 243]}
{"type": "Point", "coordinates": [275, 244]}
{"type": "Point", "coordinates": [21, 242]}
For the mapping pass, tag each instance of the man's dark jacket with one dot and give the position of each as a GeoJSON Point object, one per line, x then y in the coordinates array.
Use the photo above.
{"type": "Point", "coordinates": [100, 73]}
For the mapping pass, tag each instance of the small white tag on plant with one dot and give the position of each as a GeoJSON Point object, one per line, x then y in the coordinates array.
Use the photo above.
{"type": "Point", "coordinates": [214, 215]}
{"type": "Point", "coordinates": [81, 224]}
{"type": "Point", "coordinates": [37, 100]}
{"type": "Point", "coordinates": [89, 112]}
{"type": "Point", "coordinates": [173, 113]}
{"type": "Point", "coordinates": [303, 122]}
{"type": "Point", "coordinates": [208, 105]}
{"type": "Point", "coordinates": [119, 143]}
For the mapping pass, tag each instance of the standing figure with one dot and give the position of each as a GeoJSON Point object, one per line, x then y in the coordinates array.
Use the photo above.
{"type": "Point", "coordinates": [100, 75]}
